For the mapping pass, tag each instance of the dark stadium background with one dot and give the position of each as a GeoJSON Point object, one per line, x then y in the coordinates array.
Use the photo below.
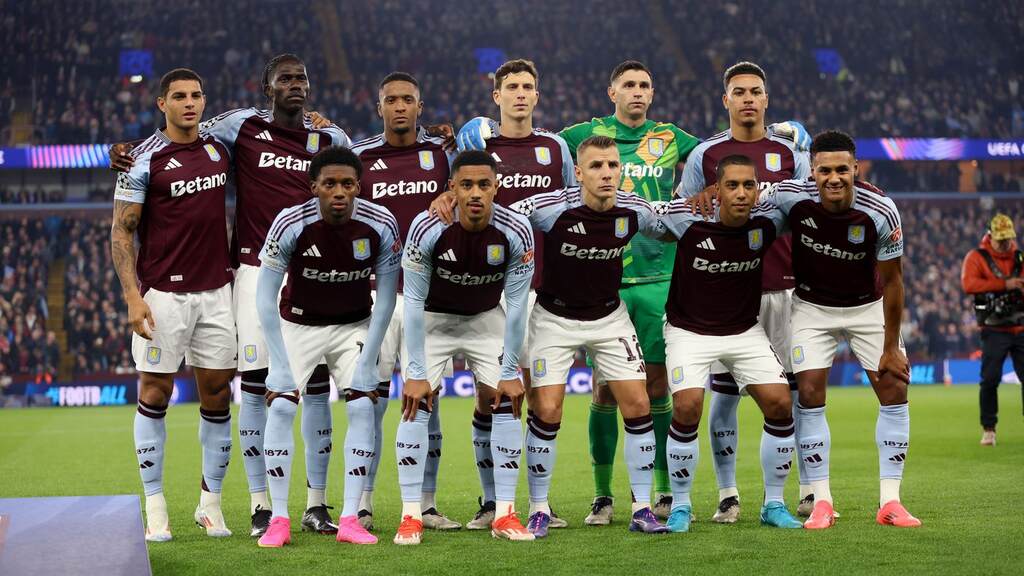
{"type": "Point", "coordinates": [80, 75]}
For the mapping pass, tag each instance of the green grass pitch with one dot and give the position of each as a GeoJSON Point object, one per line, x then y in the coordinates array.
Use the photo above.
{"type": "Point", "coordinates": [970, 498]}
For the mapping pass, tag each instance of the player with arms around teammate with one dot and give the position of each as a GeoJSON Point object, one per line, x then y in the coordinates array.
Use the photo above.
{"type": "Point", "coordinates": [712, 317]}
{"type": "Point", "coordinates": [578, 305]}
{"type": "Point", "coordinates": [328, 246]}
{"type": "Point", "coordinates": [530, 161]}
{"type": "Point", "coordinates": [847, 233]}
{"type": "Point", "coordinates": [271, 150]}
{"type": "Point", "coordinates": [454, 277]}
{"type": "Point", "coordinates": [405, 169]}
{"type": "Point", "coordinates": [178, 291]}
{"type": "Point", "coordinates": [776, 158]}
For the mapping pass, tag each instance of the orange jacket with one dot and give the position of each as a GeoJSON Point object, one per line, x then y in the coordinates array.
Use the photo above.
{"type": "Point", "coordinates": [976, 277]}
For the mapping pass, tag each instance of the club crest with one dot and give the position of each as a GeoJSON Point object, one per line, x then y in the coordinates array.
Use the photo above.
{"type": "Point", "coordinates": [773, 162]}
{"type": "Point", "coordinates": [621, 227]}
{"type": "Point", "coordinates": [495, 254]}
{"type": "Point", "coordinates": [543, 155]}
{"type": "Point", "coordinates": [656, 146]}
{"type": "Point", "coordinates": [755, 239]}
{"type": "Point", "coordinates": [540, 367]}
{"type": "Point", "coordinates": [249, 351]}
{"type": "Point", "coordinates": [211, 151]}
{"type": "Point", "coordinates": [677, 375]}
{"type": "Point", "coordinates": [798, 355]}
{"type": "Point", "coordinates": [313, 142]}
{"type": "Point", "coordinates": [426, 159]}
{"type": "Point", "coordinates": [855, 234]}
{"type": "Point", "coordinates": [361, 248]}
{"type": "Point", "coordinates": [153, 355]}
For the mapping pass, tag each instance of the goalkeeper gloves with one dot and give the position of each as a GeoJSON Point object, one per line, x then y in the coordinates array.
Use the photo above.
{"type": "Point", "coordinates": [474, 134]}
{"type": "Point", "coordinates": [793, 131]}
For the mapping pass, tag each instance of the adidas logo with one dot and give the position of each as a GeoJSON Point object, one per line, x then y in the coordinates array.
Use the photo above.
{"type": "Point", "coordinates": [813, 459]}
{"type": "Point", "coordinates": [252, 452]}
{"type": "Point", "coordinates": [578, 229]}
{"type": "Point", "coordinates": [407, 461]}
{"type": "Point", "coordinates": [448, 256]}
{"type": "Point", "coordinates": [312, 252]}
{"type": "Point", "coordinates": [496, 157]}
{"type": "Point", "coordinates": [276, 472]}
{"type": "Point", "coordinates": [265, 135]}
{"type": "Point", "coordinates": [537, 469]}
{"type": "Point", "coordinates": [899, 457]}
{"type": "Point", "coordinates": [511, 465]}
{"type": "Point", "coordinates": [325, 449]}
{"type": "Point", "coordinates": [648, 467]}
{"type": "Point", "coordinates": [727, 452]}
{"type": "Point", "coordinates": [707, 244]}
{"type": "Point", "coordinates": [361, 471]}
{"type": "Point", "coordinates": [172, 164]}
{"type": "Point", "coordinates": [809, 222]}
{"type": "Point", "coordinates": [436, 453]}
{"type": "Point", "coordinates": [146, 464]}
{"type": "Point", "coordinates": [488, 463]}
{"type": "Point", "coordinates": [681, 473]}
{"type": "Point", "coordinates": [378, 165]}
{"type": "Point", "coordinates": [785, 466]}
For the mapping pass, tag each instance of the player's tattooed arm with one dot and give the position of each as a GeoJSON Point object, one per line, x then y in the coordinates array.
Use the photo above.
{"type": "Point", "coordinates": [122, 250]}
{"type": "Point", "coordinates": [893, 359]}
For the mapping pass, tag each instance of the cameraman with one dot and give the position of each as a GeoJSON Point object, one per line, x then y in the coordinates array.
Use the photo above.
{"type": "Point", "coordinates": [992, 273]}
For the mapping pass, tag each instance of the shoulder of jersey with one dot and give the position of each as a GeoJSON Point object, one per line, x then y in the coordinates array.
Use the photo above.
{"type": "Point", "coordinates": [422, 224]}
{"type": "Point", "coordinates": [631, 201]}
{"type": "Point", "coordinates": [872, 198]}
{"type": "Point", "coordinates": [515, 223]}
{"type": "Point", "coordinates": [149, 146]}
{"type": "Point", "coordinates": [368, 143]}
{"type": "Point", "coordinates": [797, 186]}
{"type": "Point", "coordinates": [723, 136]}
{"type": "Point", "coordinates": [298, 215]}
{"type": "Point", "coordinates": [788, 143]}
{"type": "Point", "coordinates": [376, 213]}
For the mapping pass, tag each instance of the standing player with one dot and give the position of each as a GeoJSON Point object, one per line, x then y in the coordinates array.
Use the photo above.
{"type": "Point", "coordinates": [847, 234]}
{"type": "Point", "coordinates": [454, 277]}
{"type": "Point", "coordinates": [530, 161]}
{"type": "Point", "coordinates": [650, 152]}
{"type": "Point", "coordinates": [328, 246]}
{"type": "Point", "coordinates": [178, 291]}
{"type": "Point", "coordinates": [776, 158]}
{"type": "Point", "coordinates": [271, 150]}
{"type": "Point", "coordinates": [578, 305]}
{"type": "Point", "coordinates": [712, 317]}
{"type": "Point", "coordinates": [405, 169]}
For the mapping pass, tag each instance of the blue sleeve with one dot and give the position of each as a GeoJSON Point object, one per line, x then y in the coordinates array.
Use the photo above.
{"type": "Point", "coordinates": [802, 165]}
{"type": "Point", "coordinates": [416, 265]}
{"type": "Point", "coordinates": [517, 288]}
{"type": "Point", "coordinates": [366, 375]}
{"type": "Point", "coordinates": [542, 210]}
{"type": "Point", "coordinates": [675, 217]}
{"type": "Point", "coordinates": [692, 181]}
{"type": "Point", "coordinates": [650, 224]}
{"type": "Point", "coordinates": [225, 127]}
{"type": "Point", "coordinates": [338, 136]}
{"type": "Point", "coordinates": [280, 243]}
{"type": "Point", "coordinates": [268, 286]}
{"type": "Point", "coordinates": [568, 168]}
{"type": "Point", "coordinates": [131, 186]}
{"type": "Point", "coordinates": [785, 195]}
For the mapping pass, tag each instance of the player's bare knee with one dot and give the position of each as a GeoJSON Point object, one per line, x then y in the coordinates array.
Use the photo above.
{"type": "Point", "coordinates": [811, 392]}
{"type": "Point", "coordinates": [602, 395]}
{"type": "Point", "coordinates": [657, 381]}
{"type": "Point", "coordinates": [890, 391]}
{"type": "Point", "coordinates": [156, 389]}
{"type": "Point", "coordinates": [484, 398]}
{"type": "Point", "coordinates": [686, 408]}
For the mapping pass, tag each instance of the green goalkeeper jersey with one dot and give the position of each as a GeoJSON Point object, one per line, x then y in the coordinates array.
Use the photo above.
{"type": "Point", "coordinates": [649, 154]}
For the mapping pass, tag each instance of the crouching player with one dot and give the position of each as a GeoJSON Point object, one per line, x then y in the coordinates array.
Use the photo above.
{"type": "Point", "coordinates": [328, 246]}
{"type": "Point", "coordinates": [586, 230]}
{"type": "Point", "coordinates": [454, 277]}
{"type": "Point", "coordinates": [712, 316]}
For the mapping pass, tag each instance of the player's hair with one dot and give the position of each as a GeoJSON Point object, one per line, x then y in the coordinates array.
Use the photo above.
{"type": "Point", "coordinates": [744, 67]}
{"type": "Point", "coordinates": [333, 156]}
{"type": "Point", "coordinates": [833, 141]}
{"type": "Point", "coordinates": [732, 160]}
{"type": "Point", "coordinates": [514, 67]}
{"type": "Point", "coordinates": [473, 158]}
{"type": "Point", "coordinates": [626, 67]}
{"type": "Point", "coordinates": [601, 142]}
{"type": "Point", "coordinates": [273, 63]}
{"type": "Point", "coordinates": [399, 77]}
{"type": "Point", "coordinates": [178, 74]}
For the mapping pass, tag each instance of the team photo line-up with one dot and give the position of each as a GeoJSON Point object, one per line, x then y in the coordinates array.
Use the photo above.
{"type": "Point", "coordinates": [513, 247]}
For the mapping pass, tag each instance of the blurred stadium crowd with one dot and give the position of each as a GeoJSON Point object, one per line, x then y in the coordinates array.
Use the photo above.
{"type": "Point", "coordinates": [882, 77]}
{"type": "Point", "coordinates": [909, 74]}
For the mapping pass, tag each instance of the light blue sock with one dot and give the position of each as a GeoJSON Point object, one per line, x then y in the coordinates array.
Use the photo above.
{"type": "Point", "coordinates": [482, 424]}
{"type": "Point", "coordinates": [411, 453]}
{"type": "Point", "coordinates": [215, 438]}
{"type": "Point", "coordinates": [506, 449]}
{"type": "Point", "coordinates": [540, 457]}
{"type": "Point", "coordinates": [639, 450]}
{"type": "Point", "coordinates": [801, 467]}
{"type": "Point", "coordinates": [434, 439]}
{"type": "Point", "coordinates": [683, 452]}
{"type": "Point", "coordinates": [317, 429]}
{"type": "Point", "coordinates": [359, 442]}
{"type": "Point", "coordinates": [278, 447]}
{"type": "Point", "coordinates": [892, 434]}
{"type": "Point", "coordinates": [150, 437]}
{"type": "Point", "coordinates": [252, 421]}
{"type": "Point", "coordinates": [722, 425]}
{"type": "Point", "coordinates": [778, 443]}
{"type": "Point", "coordinates": [815, 442]}
{"type": "Point", "coordinates": [379, 409]}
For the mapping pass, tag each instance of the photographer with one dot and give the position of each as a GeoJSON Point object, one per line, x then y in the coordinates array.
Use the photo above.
{"type": "Point", "coordinates": [992, 273]}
